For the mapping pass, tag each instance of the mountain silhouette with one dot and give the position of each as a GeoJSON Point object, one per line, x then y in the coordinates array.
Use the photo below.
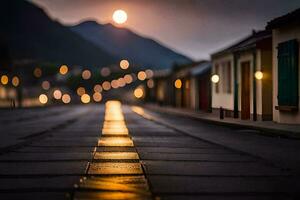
{"type": "Point", "coordinates": [29, 34]}
{"type": "Point", "coordinates": [126, 44]}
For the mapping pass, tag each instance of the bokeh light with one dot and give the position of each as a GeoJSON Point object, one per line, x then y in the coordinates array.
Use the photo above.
{"type": "Point", "coordinates": [57, 94]}
{"type": "Point", "coordinates": [46, 85]}
{"type": "Point", "coordinates": [43, 99]}
{"type": "Point", "coordinates": [114, 84]}
{"type": "Point", "coordinates": [142, 75]}
{"type": "Point", "coordinates": [258, 75]}
{"type": "Point", "coordinates": [4, 79]}
{"type": "Point", "coordinates": [80, 91]}
{"type": "Point", "coordinates": [105, 71]}
{"type": "Point", "coordinates": [63, 69]}
{"type": "Point", "coordinates": [128, 78]}
{"type": "Point", "coordinates": [138, 93]}
{"type": "Point", "coordinates": [150, 83]}
{"type": "Point", "coordinates": [106, 85]}
{"type": "Point", "coordinates": [149, 73]}
{"type": "Point", "coordinates": [15, 81]}
{"type": "Point", "coordinates": [124, 64]}
{"type": "Point", "coordinates": [86, 74]}
{"type": "Point", "coordinates": [37, 72]}
{"type": "Point", "coordinates": [215, 78]}
{"type": "Point", "coordinates": [97, 96]}
{"type": "Point", "coordinates": [85, 98]}
{"type": "Point", "coordinates": [66, 98]}
{"type": "Point", "coordinates": [178, 84]}
{"type": "Point", "coordinates": [97, 88]}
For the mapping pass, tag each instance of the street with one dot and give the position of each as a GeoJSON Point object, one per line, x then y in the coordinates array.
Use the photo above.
{"type": "Point", "coordinates": [126, 152]}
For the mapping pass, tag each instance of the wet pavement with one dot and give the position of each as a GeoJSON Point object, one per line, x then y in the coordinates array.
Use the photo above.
{"type": "Point", "coordinates": [98, 152]}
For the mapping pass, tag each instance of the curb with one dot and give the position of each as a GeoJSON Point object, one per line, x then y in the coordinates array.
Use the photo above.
{"type": "Point", "coordinates": [262, 130]}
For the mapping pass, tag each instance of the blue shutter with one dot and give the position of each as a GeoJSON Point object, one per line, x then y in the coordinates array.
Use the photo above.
{"type": "Point", "coordinates": [288, 53]}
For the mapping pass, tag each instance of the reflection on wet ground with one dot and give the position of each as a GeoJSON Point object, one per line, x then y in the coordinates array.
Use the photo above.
{"type": "Point", "coordinates": [115, 172]}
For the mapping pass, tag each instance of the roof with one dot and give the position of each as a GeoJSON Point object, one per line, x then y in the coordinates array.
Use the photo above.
{"type": "Point", "coordinates": [201, 68]}
{"type": "Point", "coordinates": [292, 17]}
{"type": "Point", "coordinates": [246, 43]}
{"type": "Point", "coordinates": [184, 70]}
{"type": "Point", "coordinates": [161, 73]}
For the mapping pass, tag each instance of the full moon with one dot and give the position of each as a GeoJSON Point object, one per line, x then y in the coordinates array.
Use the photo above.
{"type": "Point", "coordinates": [120, 16]}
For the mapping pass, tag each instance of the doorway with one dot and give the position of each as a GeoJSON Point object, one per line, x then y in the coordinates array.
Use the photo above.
{"type": "Point", "coordinates": [245, 101]}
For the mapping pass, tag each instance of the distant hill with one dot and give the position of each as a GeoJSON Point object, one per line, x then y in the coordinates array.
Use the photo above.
{"type": "Point", "coordinates": [29, 34]}
{"type": "Point", "coordinates": [122, 42]}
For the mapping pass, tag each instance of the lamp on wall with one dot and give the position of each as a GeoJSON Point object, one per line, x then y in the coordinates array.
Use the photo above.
{"type": "Point", "coordinates": [215, 78]}
{"type": "Point", "coordinates": [258, 75]}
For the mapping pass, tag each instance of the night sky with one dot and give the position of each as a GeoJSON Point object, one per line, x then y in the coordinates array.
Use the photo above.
{"type": "Point", "coordinates": [195, 28]}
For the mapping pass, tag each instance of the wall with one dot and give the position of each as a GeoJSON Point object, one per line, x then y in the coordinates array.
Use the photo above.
{"type": "Point", "coordinates": [282, 35]}
{"type": "Point", "coordinates": [225, 100]}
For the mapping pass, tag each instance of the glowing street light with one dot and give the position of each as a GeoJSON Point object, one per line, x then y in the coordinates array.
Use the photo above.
{"type": "Point", "coordinates": [178, 84]}
{"type": "Point", "coordinates": [57, 94]}
{"type": "Point", "coordinates": [63, 69]}
{"type": "Point", "coordinates": [66, 98]}
{"type": "Point", "coordinates": [85, 98]}
{"type": "Point", "coordinates": [258, 75]}
{"type": "Point", "coordinates": [15, 81]}
{"type": "Point", "coordinates": [138, 93]}
{"type": "Point", "coordinates": [142, 75]}
{"type": "Point", "coordinates": [215, 78]}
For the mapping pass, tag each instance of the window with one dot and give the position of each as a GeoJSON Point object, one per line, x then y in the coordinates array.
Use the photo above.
{"type": "Point", "coordinates": [288, 53]}
{"type": "Point", "coordinates": [226, 77]}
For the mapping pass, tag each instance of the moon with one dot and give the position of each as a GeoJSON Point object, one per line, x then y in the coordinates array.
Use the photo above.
{"type": "Point", "coordinates": [119, 16]}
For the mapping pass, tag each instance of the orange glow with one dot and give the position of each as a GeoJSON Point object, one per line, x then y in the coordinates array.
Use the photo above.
{"type": "Point", "coordinates": [43, 99]}
{"type": "Point", "coordinates": [80, 91]}
{"type": "Point", "coordinates": [119, 16]}
{"type": "Point", "coordinates": [15, 81]}
{"type": "Point", "coordinates": [178, 84]}
{"type": "Point", "coordinates": [128, 78]}
{"type": "Point", "coordinates": [138, 93]}
{"type": "Point", "coordinates": [142, 75]}
{"type": "Point", "coordinates": [121, 82]}
{"type": "Point", "coordinates": [105, 71]}
{"type": "Point", "coordinates": [114, 84]}
{"type": "Point", "coordinates": [85, 98]}
{"type": "Point", "coordinates": [124, 64]}
{"type": "Point", "coordinates": [86, 74]}
{"type": "Point", "coordinates": [46, 85]}
{"type": "Point", "coordinates": [37, 72]}
{"type": "Point", "coordinates": [150, 83]}
{"type": "Point", "coordinates": [97, 97]}
{"type": "Point", "coordinates": [4, 79]}
{"type": "Point", "coordinates": [63, 69]}
{"type": "Point", "coordinates": [66, 98]}
{"type": "Point", "coordinates": [106, 85]}
{"type": "Point", "coordinates": [98, 88]}
{"type": "Point", "coordinates": [57, 94]}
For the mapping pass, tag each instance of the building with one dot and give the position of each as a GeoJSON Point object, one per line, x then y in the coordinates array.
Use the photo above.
{"type": "Point", "coordinates": [286, 73]}
{"type": "Point", "coordinates": [243, 78]}
{"type": "Point", "coordinates": [201, 87]}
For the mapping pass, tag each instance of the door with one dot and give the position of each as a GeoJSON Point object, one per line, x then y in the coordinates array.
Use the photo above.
{"type": "Point", "coordinates": [245, 101]}
{"type": "Point", "coordinates": [203, 94]}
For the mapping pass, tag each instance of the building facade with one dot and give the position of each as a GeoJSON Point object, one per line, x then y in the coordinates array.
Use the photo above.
{"type": "Point", "coordinates": [286, 73]}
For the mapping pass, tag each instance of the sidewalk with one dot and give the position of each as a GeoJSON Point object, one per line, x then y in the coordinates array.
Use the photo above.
{"type": "Point", "coordinates": [265, 127]}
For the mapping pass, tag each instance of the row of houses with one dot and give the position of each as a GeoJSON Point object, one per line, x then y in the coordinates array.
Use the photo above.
{"type": "Point", "coordinates": [256, 78]}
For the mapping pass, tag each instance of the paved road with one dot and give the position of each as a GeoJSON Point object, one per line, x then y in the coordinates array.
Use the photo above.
{"type": "Point", "coordinates": [93, 152]}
